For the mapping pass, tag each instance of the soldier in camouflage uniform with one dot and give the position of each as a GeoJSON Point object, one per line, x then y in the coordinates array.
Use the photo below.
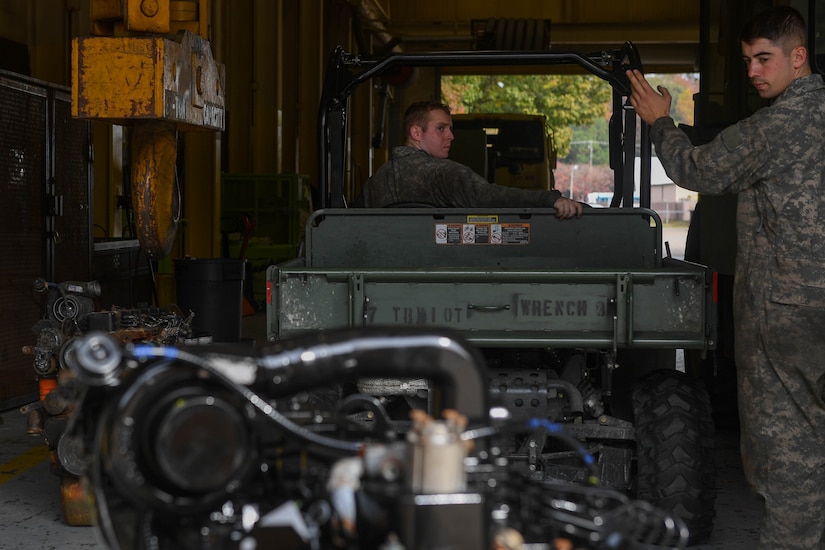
{"type": "Point", "coordinates": [775, 161]}
{"type": "Point", "coordinates": [419, 172]}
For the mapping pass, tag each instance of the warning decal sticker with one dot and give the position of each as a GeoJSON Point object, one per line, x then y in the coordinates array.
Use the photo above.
{"type": "Point", "coordinates": [482, 233]}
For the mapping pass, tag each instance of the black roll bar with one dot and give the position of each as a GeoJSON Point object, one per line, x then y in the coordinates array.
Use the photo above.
{"type": "Point", "coordinates": [347, 71]}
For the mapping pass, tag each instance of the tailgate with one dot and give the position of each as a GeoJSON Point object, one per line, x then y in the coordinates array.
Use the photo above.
{"type": "Point", "coordinates": [667, 307]}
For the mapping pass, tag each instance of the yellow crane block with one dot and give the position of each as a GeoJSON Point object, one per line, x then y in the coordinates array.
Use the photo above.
{"type": "Point", "coordinates": [157, 86]}
{"type": "Point", "coordinates": [118, 79]}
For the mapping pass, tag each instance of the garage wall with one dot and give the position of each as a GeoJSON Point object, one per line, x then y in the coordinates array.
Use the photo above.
{"type": "Point", "coordinates": [275, 53]}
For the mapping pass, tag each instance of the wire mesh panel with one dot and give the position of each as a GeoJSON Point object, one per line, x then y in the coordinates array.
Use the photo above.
{"type": "Point", "coordinates": [45, 215]}
{"type": "Point", "coordinates": [73, 228]}
{"type": "Point", "coordinates": [22, 229]}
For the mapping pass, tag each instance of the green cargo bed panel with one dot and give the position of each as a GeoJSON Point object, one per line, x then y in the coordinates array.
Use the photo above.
{"type": "Point", "coordinates": [665, 307]}
{"type": "Point", "coordinates": [500, 239]}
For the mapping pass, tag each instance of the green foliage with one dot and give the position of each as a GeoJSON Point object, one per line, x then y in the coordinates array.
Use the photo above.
{"type": "Point", "coordinates": [566, 100]}
{"type": "Point", "coordinates": [681, 87]}
{"type": "Point", "coordinates": [577, 109]}
{"type": "Point", "coordinates": [590, 144]}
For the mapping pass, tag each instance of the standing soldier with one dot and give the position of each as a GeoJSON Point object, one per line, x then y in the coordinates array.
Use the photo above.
{"type": "Point", "coordinates": [775, 162]}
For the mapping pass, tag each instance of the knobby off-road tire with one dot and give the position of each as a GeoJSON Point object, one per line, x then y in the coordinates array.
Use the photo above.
{"type": "Point", "coordinates": [675, 443]}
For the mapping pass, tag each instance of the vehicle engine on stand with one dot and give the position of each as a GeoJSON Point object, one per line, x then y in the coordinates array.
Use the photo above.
{"type": "Point", "coordinates": [273, 447]}
{"type": "Point", "coordinates": [70, 311]}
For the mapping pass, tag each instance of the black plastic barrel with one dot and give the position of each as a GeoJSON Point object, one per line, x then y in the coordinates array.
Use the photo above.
{"type": "Point", "coordinates": [213, 290]}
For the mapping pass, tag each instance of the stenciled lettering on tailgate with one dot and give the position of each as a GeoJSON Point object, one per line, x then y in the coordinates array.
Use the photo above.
{"type": "Point", "coordinates": [576, 307]}
{"type": "Point", "coordinates": [419, 315]}
{"type": "Point", "coordinates": [523, 308]}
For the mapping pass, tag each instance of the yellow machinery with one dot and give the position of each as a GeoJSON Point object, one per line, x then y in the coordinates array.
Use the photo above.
{"type": "Point", "coordinates": [150, 67]}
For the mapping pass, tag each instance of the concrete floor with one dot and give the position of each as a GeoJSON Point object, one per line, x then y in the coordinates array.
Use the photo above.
{"type": "Point", "coordinates": [31, 513]}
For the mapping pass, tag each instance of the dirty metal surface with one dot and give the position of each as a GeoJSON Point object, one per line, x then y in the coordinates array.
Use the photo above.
{"type": "Point", "coordinates": [119, 79]}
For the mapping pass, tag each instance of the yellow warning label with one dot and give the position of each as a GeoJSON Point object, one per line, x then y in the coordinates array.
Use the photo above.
{"type": "Point", "coordinates": [487, 218]}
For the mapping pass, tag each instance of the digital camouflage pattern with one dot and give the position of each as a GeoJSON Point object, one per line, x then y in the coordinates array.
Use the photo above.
{"type": "Point", "coordinates": [413, 176]}
{"type": "Point", "coordinates": [775, 161]}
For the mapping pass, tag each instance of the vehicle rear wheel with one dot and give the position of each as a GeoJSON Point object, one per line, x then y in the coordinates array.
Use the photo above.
{"type": "Point", "coordinates": [675, 441]}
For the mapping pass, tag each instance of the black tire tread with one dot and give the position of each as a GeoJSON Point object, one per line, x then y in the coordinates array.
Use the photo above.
{"type": "Point", "coordinates": [676, 469]}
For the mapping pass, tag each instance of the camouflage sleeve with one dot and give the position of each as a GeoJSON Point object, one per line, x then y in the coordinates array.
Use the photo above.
{"type": "Point", "coordinates": [729, 164]}
{"type": "Point", "coordinates": [415, 177]}
{"type": "Point", "coordinates": [468, 189]}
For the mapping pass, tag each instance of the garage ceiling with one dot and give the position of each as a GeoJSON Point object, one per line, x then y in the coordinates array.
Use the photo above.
{"type": "Point", "coordinates": [665, 33]}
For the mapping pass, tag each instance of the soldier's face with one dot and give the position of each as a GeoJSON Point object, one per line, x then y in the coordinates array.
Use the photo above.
{"type": "Point", "coordinates": [438, 136]}
{"type": "Point", "coordinates": [771, 71]}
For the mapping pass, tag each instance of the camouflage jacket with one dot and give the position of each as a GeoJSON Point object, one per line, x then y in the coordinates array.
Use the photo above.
{"type": "Point", "coordinates": [775, 161]}
{"type": "Point", "coordinates": [413, 176]}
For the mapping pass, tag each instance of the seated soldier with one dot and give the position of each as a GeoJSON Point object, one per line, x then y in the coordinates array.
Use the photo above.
{"type": "Point", "coordinates": [419, 172]}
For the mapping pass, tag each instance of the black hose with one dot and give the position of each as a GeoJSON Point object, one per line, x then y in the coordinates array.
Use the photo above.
{"type": "Point", "coordinates": [347, 355]}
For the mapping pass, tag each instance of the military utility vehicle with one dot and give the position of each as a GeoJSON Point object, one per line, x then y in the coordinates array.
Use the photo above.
{"type": "Point", "coordinates": [579, 321]}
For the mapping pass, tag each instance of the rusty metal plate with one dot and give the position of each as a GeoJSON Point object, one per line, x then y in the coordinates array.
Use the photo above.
{"type": "Point", "coordinates": [121, 79]}
{"type": "Point", "coordinates": [155, 193]}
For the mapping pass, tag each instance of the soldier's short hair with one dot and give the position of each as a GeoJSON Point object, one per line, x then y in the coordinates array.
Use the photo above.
{"type": "Point", "coordinates": [418, 114]}
{"type": "Point", "coordinates": [782, 25]}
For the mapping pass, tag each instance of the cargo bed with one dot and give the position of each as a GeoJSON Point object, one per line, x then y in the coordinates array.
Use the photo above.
{"type": "Point", "coordinates": [500, 277]}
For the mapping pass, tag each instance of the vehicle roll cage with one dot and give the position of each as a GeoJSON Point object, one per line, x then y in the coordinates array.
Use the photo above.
{"type": "Point", "coordinates": [347, 71]}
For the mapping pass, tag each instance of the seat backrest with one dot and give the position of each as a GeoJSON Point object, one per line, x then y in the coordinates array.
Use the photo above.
{"type": "Point", "coordinates": [499, 239]}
